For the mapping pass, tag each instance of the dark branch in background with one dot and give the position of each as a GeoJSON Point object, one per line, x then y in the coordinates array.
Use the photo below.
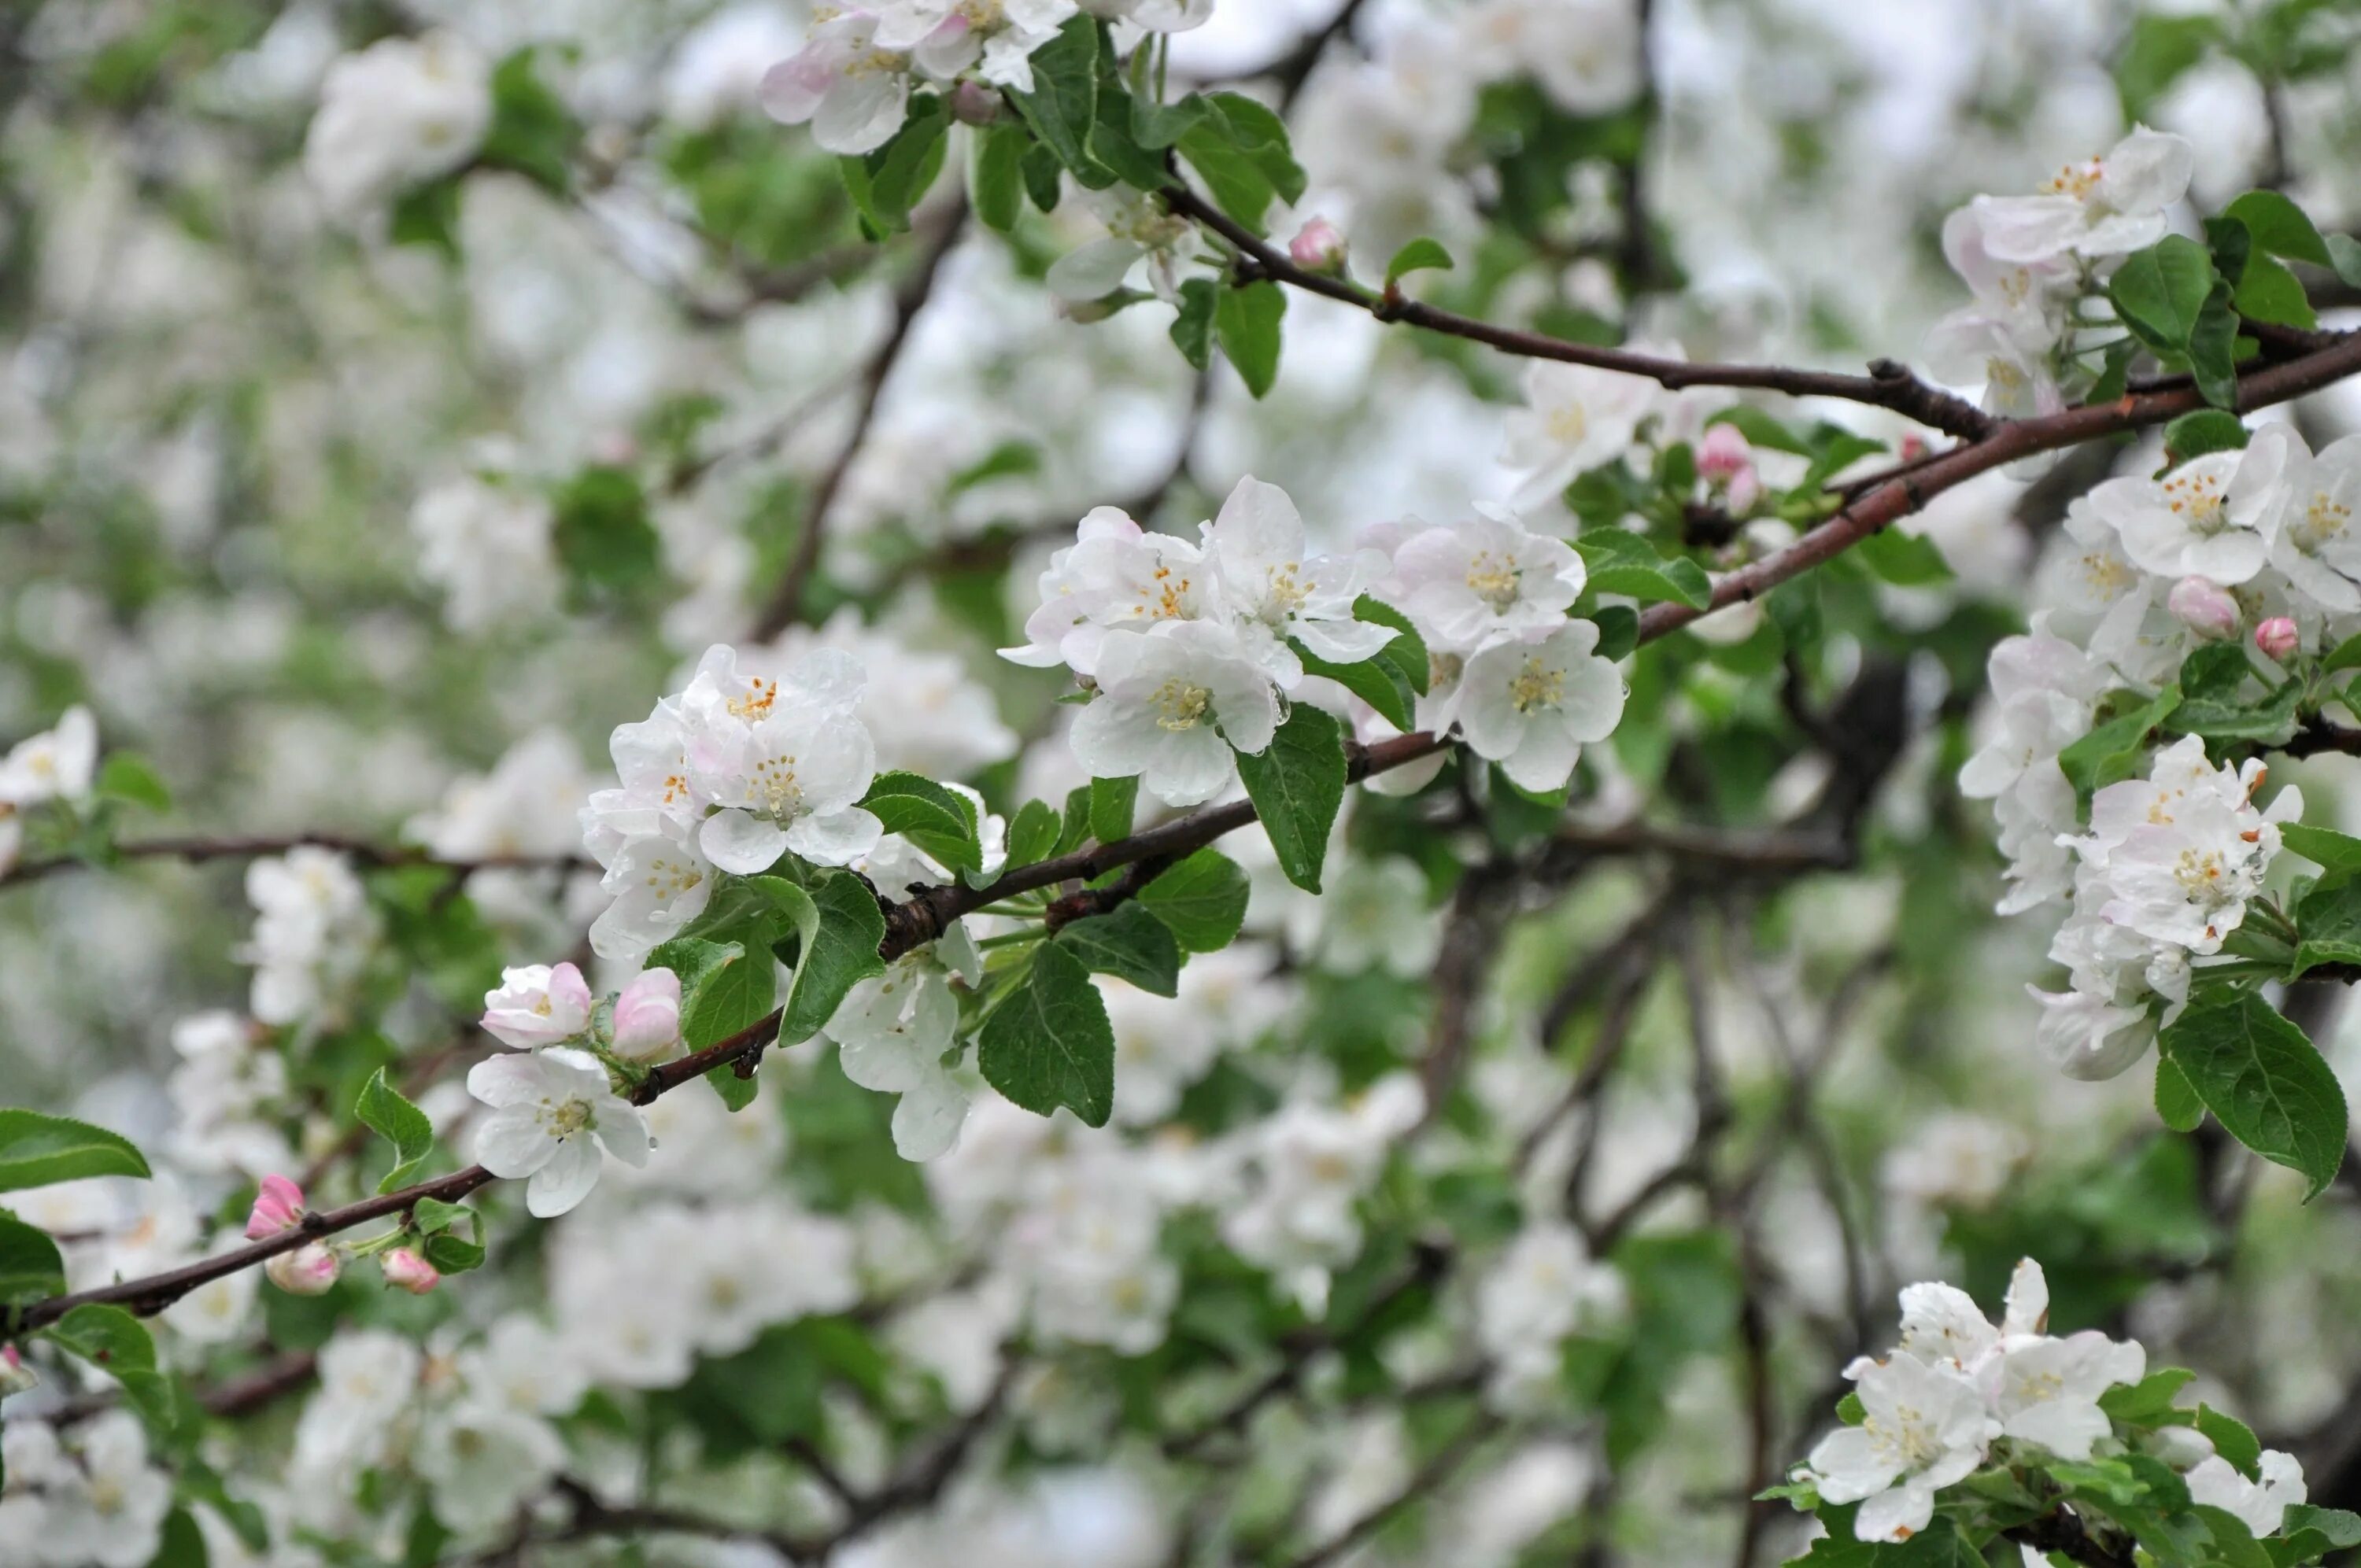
{"type": "Point", "coordinates": [2062, 1532]}
{"type": "Point", "coordinates": [926, 915]}
{"type": "Point", "coordinates": [1294, 67]}
{"type": "Point", "coordinates": [1889, 385]}
{"type": "Point", "coordinates": [377, 857]}
{"type": "Point", "coordinates": [910, 297]}
{"type": "Point", "coordinates": [1428, 1477]}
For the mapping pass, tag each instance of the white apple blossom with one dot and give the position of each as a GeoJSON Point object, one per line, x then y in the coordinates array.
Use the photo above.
{"type": "Point", "coordinates": [313, 933]}
{"type": "Point", "coordinates": [1172, 707]}
{"type": "Point", "coordinates": [1116, 574]}
{"type": "Point", "coordinates": [1924, 1427]}
{"type": "Point", "coordinates": [59, 763]}
{"type": "Point", "coordinates": [1587, 54]}
{"type": "Point", "coordinates": [661, 882]}
{"type": "Point", "coordinates": [1485, 577]}
{"type": "Point", "coordinates": [2182, 851]}
{"type": "Point", "coordinates": [106, 1508]}
{"type": "Point", "coordinates": [537, 1006]}
{"type": "Point", "coordinates": [399, 113]}
{"type": "Point", "coordinates": [552, 1112]}
{"type": "Point", "coordinates": [1154, 15]}
{"type": "Point", "coordinates": [2261, 1505]}
{"type": "Point", "coordinates": [2019, 381]}
{"type": "Point", "coordinates": [941, 722]}
{"type": "Point", "coordinates": [1575, 416]}
{"type": "Point", "coordinates": [1532, 707]}
{"type": "Point", "coordinates": [1542, 1289]}
{"type": "Point", "coordinates": [2312, 537]}
{"type": "Point", "coordinates": [2106, 206]}
{"type": "Point", "coordinates": [2203, 520]}
{"type": "Point", "coordinates": [481, 1461]}
{"type": "Point", "coordinates": [490, 547]}
{"type": "Point", "coordinates": [854, 93]}
{"type": "Point", "coordinates": [892, 1032]}
{"type": "Point", "coordinates": [716, 70]}
{"type": "Point", "coordinates": [994, 37]}
{"type": "Point", "coordinates": [787, 784]}
{"type": "Point", "coordinates": [1272, 592]}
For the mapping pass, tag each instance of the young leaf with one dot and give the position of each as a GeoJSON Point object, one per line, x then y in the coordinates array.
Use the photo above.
{"type": "Point", "coordinates": [2207, 429]}
{"type": "Point", "coordinates": [2278, 227]}
{"type": "Point", "coordinates": [1418, 255]}
{"type": "Point", "coordinates": [939, 821]}
{"type": "Point", "coordinates": [1202, 899]}
{"type": "Point", "coordinates": [2268, 291]}
{"type": "Point", "coordinates": [2177, 1105]}
{"type": "Point", "coordinates": [1129, 943]}
{"type": "Point", "coordinates": [2328, 924]}
{"type": "Point", "coordinates": [40, 1150]}
{"type": "Point", "coordinates": [1192, 328]}
{"type": "Point", "coordinates": [30, 1265]}
{"type": "Point", "coordinates": [120, 1344]}
{"type": "Point", "coordinates": [1049, 1044]}
{"type": "Point", "coordinates": [997, 179]}
{"type": "Point", "coordinates": [721, 990]}
{"type": "Point", "coordinates": [1112, 805]}
{"type": "Point", "coordinates": [2264, 1082]}
{"type": "Point", "coordinates": [1297, 783]}
{"type": "Point", "coordinates": [2159, 291]}
{"type": "Point", "coordinates": [2212, 349]}
{"type": "Point", "coordinates": [129, 777]}
{"type": "Point", "coordinates": [1621, 562]}
{"type": "Point", "coordinates": [1064, 104]}
{"type": "Point", "coordinates": [1407, 652]}
{"type": "Point", "coordinates": [2326, 848]}
{"type": "Point", "coordinates": [2232, 1440]}
{"type": "Point", "coordinates": [2112, 751]}
{"type": "Point", "coordinates": [1032, 833]}
{"type": "Point", "coordinates": [1374, 680]}
{"type": "Point", "coordinates": [383, 1110]}
{"type": "Point", "coordinates": [1246, 321]}
{"type": "Point", "coordinates": [841, 952]}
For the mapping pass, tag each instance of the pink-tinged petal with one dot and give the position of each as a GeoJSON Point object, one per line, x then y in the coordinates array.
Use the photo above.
{"type": "Point", "coordinates": [405, 1270]}
{"type": "Point", "coordinates": [793, 90]}
{"type": "Point", "coordinates": [513, 1143]}
{"type": "Point", "coordinates": [279, 1206]}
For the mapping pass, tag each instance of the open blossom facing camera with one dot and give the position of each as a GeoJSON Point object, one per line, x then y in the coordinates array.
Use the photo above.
{"type": "Point", "coordinates": [1531, 706]}
{"type": "Point", "coordinates": [538, 1005]}
{"type": "Point", "coordinates": [1486, 577]}
{"type": "Point", "coordinates": [552, 1111]}
{"type": "Point", "coordinates": [1173, 705]}
{"type": "Point", "coordinates": [2106, 206]}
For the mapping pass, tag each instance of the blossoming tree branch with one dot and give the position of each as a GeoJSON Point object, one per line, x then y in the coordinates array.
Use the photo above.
{"type": "Point", "coordinates": [1147, 1091]}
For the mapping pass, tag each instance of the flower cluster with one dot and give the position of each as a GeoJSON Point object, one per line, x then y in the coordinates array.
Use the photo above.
{"type": "Point", "coordinates": [2028, 260]}
{"type": "Point", "coordinates": [1191, 649]}
{"type": "Point", "coordinates": [57, 764]}
{"type": "Point", "coordinates": [852, 78]}
{"type": "Point", "coordinates": [400, 112]}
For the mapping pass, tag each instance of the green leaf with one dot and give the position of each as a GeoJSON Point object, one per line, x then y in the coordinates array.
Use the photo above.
{"type": "Point", "coordinates": [604, 536]}
{"type": "Point", "coordinates": [2324, 847]}
{"type": "Point", "coordinates": [1256, 129]}
{"type": "Point", "coordinates": [2268, 291]}
{"type": "Point", "coordinates": [2177, 1105]}
{"type": "Point", "coordinates": [2214, 701]}
{"type": "Point", "coordinates": [112, 1338]}
{"type": "Point", "coordinates": [1202, 899]}
{"type": "Point", "coordinates": [1621, 562]}
{"type": "Point", "coordinates": [1850, 1411]}
{"type": "Point", "coordinates": [996, 177]}
{"type": "Point", "coordinates": [2159, 49]}
{"type": "Point", "coordinates": [1049, 1043]}
{"type": "Point", "coordinates": [2207, 429]}
{"type": "Point", "coordinates": [1157, 124]}
{"type": "Point", "coordinates": [840, 954]}
{"type": "Point", "coordinates": [1129, 943]}
{"type": "Point", "coordinates": [1032, 833]}
{"type": "Point", "coordinates": [1418, 255]}
{"type": "Point", "coordinates": [2345, 257]}
{"type": "Point", "coordinates": [1374, 680]}
{"type": "Point", "coordinates": [2113, 750]}
{"type": "Point", "coordinates": [31, 1267]}
{"type": "Point", "coordinates": [1044, 177]}
{"type": "Point", "coordinates": [1077, 828]}
{"type": "Point", "coordinates": [2232, 1440]}
{"type": "Point", "coordinates": [1618, 630]}
{"type": "Point", "coordinates": [1192, 328]}
{"type": "Point", "coordinates": [1247, 322]}
{"type": "Point", "coordinates": [2214, 349]}
{"type": "Point", "coordinates": [2280, 226]}
{"type": "Point", "coordinates": [40, 1150]}
{"type": "Point", "coordinates": [1297, 783]}
{"type": "Point", "coordinates": [1909, 560]}
{"type": "Point", "coordinates": [1063, 106]}
{"type": "Point", "coordinates": [1113, 805]}
{"type": "Point", "coordinates": [2232, 245]}
{"type": "Point", "coordinates": [2344, 656]}
{"type": "Point", "coordinates": [2328, 924]}
{"type": "Point", "coordinates": [1407, 652]}
{"type": "Point", "coordinates": [532, 132]}
{"type": "Point", "coordinates": [383, 1110]}
{"type": "Point", "coordinates": [2160, 292]}
{"type": "Point", "coordinates": [2148, 1402]}
{"type": "Point", "coordinates": [886, 183]}
{"type": "Point", "coordinates": [427, 214]}
{"type": "Point", "coordinates": [2264, 1082]}
{"type": "Point", "coordinates": [129, 777]}
{"type": "Point", "coordinates": [2308, 1531]}
{"type": "Point", "coordinates": [938, 821]}
{"type": "Point", "coordinates": [181, 1543]}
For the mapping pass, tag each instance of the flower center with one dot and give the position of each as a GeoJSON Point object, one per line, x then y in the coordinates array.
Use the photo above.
{"type": "Point", "coordinates": [2323, 520]}
{"type": "Point", "coordinates": [1180, 704]}
{"type": "Point", "coordinates": [773, 788]}
{"type": "Point", "coordinates": [2077, 180]}
{"type": "Point", "coordinates": [671, 879]}
{"type": "Point", "coordinates": [1166, 598]}
{"type": "Point", "coordinates": [1287, 592]}
{"type": "Point", "coordinates": [755, 701]}
{"type": "Point", "coordinates": [1908, 1439]}
{"type": "Point", "coordinates": [2197, 499]}
{"type": "Point", "coordinates": [1569, 423]}
{"type": "Point", "coordinates": [1537, 685]}
{"type": "Point", "coordinates": [566, 1118]}
{"type": "Point", "coordinates": [1492, 579]}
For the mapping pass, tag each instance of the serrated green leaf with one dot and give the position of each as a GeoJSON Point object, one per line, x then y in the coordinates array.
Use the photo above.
{"type": "Point", "coordinates": [1063, 106]}
{"type": "Point", "coordinates": [2160, 292]}
{"type": "Point", "coordinates": [2148, 1402]}
{"type": "Point", "coordinates": [40, 1150]}
{"type": "Point", "coordinates": [841, 952]}
{"type": "Point", "coordinates": [383, 1110]}
{"type": "Point", "coordinates": [2113, 750]}
{"type": "Point", "coordinates": [1049, 1043]}
{"type": "Point", "coordinates": [1621, 562]}
{"type": "Point", "coordinates": [31, 1267]}
{"type": "Point", "coordinates": [2328, 924]}
{"type": "Point", "coordinates": [1113, 805]}
{"type": "Point", "coordinates": [997, 179]}
{"type": "Point", "coordinates": [129, 777]}
{"type": "Point", "coordinates": [1192, 327]}
{"type": "Point", "coordinates": [2264, 1082]}
{"type": "Point", "coordinates": [1374, 680]}
{"type": "Point", "coordinates": [2325, 846]}
{"type": "Point", "coordinates": [2214, 349]}
{"type": "Point", "coordinates": [2177, 1105]}
{"type": "Point", "coordinates": [2268, 291]}
{"type": "Point", "coordinates": [118, 1344]}
{"type": "Point", "coordinates": [1202, 899]}
{"type": "Point", "coordinates": [1032, 833]}
{"type": "Point", "coordinates": [2280, 226]}
{"type": "Point", "coordinates": [1297, 783]}
{"type": "Point", "coordinates": [1407, 652]}
{"type": "Point", "coordinates": [2207, 429]}
{"type": "Point", "coordinates": [2232, 1439]}
{"type": "Point", "coordinates": [1131, 944]}
{"type": "Point", "coordinates": [2217, 704]}
{"type": "Point", "coordinates": [939, 821]}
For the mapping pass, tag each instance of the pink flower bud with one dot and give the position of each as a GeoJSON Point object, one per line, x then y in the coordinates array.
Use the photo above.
{"type": "Point", "coordinates": [2204, 607]}
{"type": "Point", "coordinates": [278, 1207]}
{"type": "Point", "coordinates": [405, 1270]}
{"type": "Point", "coordinates": [973, 103]}
{"type": "Point", "coordinates": [1725, 453]}
{"type": "Point", "coordinates": [1318, 246]}
{"type": "Point", "coordinates": [647, 1016]}
{"type": "Point", "coordinates": [307, 1271]}
{"type": "Point", "coordinates": [1913, 447]}
{"type": "Point", "coordinates": [2278, 638]}
{"type": "Point", "coordinates": [14, 1375]}
{"type": "Point", "coordinates": [1745, 489]}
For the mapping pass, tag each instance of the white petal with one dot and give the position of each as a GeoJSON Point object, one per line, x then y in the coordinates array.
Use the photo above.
{"type": "Point", "coordinates": [565, 1181]}
{"type": "Point", "coordinates": [742, 842]}
{"type": "Point", "coordinates": [836, 839]}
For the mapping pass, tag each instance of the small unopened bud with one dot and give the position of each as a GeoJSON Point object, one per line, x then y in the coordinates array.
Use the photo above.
{"type": "Point", "coordinates": [405, 1270]}
{"type": "Point", "coordinates": [2204, 607]}
{"type": "Point", "coordinates": [1913, 447]}
{"type": "Point", "coordinates": [1745, 489]}
{"type": "Point", "coordinates": [1725, 453]}
{"type": "Point", "coordinates": [615, 448]}
{"type": "Point", "coordinates": [1318, 246]}
{"type": "Point", "coordinates": [973, 103]}
{"type": "Point", "coordinates": [278, 1207]}
{"type": "Point", "coordinates": [647, 1016]}
{"type": "Point", "coordinates": [14, 1375]}
{"type": "Point", "coordinates": [2278, 638]}
{"type": "Point", "coordinates": [307, 1271]}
